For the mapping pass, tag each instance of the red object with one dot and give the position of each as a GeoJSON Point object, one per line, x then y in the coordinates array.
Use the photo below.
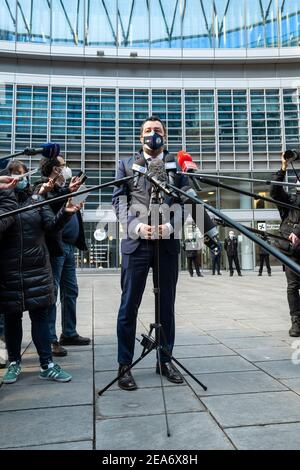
{"type": "Point", "coordinates": [189, 166]}
{"type": "Point", "coordinates": [185, 161]}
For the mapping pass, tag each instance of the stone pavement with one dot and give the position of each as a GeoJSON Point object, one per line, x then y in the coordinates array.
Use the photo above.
{"type": "Point", "coordinates": [231, 333]}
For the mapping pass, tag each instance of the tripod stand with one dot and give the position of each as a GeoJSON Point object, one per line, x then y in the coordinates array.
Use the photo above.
{"type": "Point", "coordinates": [149, 342]}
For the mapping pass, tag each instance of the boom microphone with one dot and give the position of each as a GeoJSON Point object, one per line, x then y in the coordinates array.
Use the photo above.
{"type": "Point", "coordinates": [171, 167]}
{"type": "Point", "coordinates": [157, 175]}
{"type": "Point", "coordinates": [49, 150]}
{"type": "Point", "coordinates": [139, 168]}
{"type": "Point", "coordinates": [187, 165]}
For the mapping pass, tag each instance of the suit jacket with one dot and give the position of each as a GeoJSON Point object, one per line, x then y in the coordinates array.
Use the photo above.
{"type": "Point", "coordinates": [231, 246]}
{"type": "Point", "coordinates": [132, 204]}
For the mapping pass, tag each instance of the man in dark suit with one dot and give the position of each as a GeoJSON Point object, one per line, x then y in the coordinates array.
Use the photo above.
{"type": "Point", "coordinates": [138, 248]}
{"type": "Point", "coordinates": [231, 247]}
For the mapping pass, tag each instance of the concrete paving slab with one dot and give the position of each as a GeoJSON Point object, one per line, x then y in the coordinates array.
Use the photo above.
{"type": "Point", "coordinates": [77, 445]}
{"type": "Point", "coordinates": [293, 384]}
{"type": "Point", "coordinates": [280, 369]}
{"type": "Point", "coordinates": [64, 394]}
{"type": "Point", "coordinates": [144, 402]}
{"type": "Point", "coordinates": [255, 408]}
{"type": "Point", "coordinates": [207, 350]}
{"type": "Point", "coordinates": [226, 383]}
{"type": "Point", "coordinates": [265, 354]}
{"type": "Point", "coordinates": [188, 431]}
{"type": "Point", "coordinates": [271, 437]}
{"type": "Point", "coordinates": [235, 333]}
{"type": "Point", "coordinates": [248, 343]}
{"type": "Point", "coordinates": [33, 427]}
{"type": "Point", "coordinates": [198, 365]}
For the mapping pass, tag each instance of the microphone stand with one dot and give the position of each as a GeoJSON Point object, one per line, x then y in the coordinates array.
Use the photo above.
{"type": "Point", "coordinates": [13, 155]}
{"type": "Point", "coordinates": [149, 342]}
{"type": "Point", "coordinates": [64, 197]}
{"type": "Point", "coordinates": [242, 191]}
{"type": "Point", "coordinates": [237, 178]}
{"type": "Point", "coordinates": [276, 253]}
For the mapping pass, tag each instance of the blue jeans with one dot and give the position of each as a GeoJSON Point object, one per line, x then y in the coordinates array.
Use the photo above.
{"type": "Point", "coordinates": [39, 333]}
{"type": "Point", "coordinates": [64, 275]}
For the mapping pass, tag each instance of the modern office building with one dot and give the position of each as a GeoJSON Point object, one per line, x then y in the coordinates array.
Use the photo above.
{"type": "Point", "coordinates": [223, 74]}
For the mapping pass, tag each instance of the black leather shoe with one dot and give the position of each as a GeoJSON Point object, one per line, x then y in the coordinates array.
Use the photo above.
{"type": "Point", "coordinates": [295, 328]}
{"type": "Point", "coordinates": [126, 382]}
{"type": "Point", "coordinates": [58, 350]}
{"type": "Point", "coordinates": [170, 372]}
{"type": "Point", "coordinates": [74, 340]}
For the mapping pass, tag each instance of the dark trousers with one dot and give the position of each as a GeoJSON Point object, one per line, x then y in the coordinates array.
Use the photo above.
{"type": "Point", "coordinates": [64, 275]}
{"type": "Point", "coordinates": [193, 260]}
{"type": "Point", "coordinates": [234, 258]}
{"type": "Point", "coordinates": [39, 333]}
{"type": "Point", "coordinates": [216, 264]}
{"type": "Point", "coordinates": [135, 269]}
{"type": "Point", "coordinates": [264, 258]}
{"type": "Point", "coordinates": [1, 326]}
{"type": "Point", "coordinates": [293, 286]}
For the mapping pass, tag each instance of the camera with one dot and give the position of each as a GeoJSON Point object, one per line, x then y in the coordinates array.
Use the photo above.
{"type": "Point", "coordinates": [291, 155]}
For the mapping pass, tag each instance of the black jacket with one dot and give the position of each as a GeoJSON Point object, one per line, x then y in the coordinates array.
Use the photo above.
{"type": "Point", "coordinates": [54, 240]}
{"type": "Point", "coordinates": [290, 219]}
{"type": "Point", "coordinates": [8, 203]}
{"type": "Point", "coordinates": [26, 281]}
{"type": "Point", "coordinates": [231, 246]}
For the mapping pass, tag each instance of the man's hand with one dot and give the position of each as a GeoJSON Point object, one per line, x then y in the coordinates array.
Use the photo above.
{"type": "Point", "coordinates": [72, 208]}
{"type": "Point", "coordinates": [284, 163]}
{"type": "Point", "coordinates": [294, 239]}
{"type": "Point", "coordinates": [164, 231]}
{"type": "Point", "coordinates": [146, 231]}
{"type": "Point", "coordinates": [75, 184]}
{"type": "Point", "coordinates": [46, 187]}
{"type": "Point", "coordinates": [7, 182]}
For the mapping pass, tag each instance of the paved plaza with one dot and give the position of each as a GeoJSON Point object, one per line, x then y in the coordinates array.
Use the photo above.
{"type": "Point", "coordinates": [232, 333]}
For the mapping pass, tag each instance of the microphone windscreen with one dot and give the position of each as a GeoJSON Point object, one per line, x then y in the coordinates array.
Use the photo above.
{"type": "Point", "coordinates": [141, 161]}
{"type": "Point", "coordinates": [157, 169]}
{"type": "Point", "coordinates": [50, 150]}
{"type": "Point", "coordinates": [189, 166]}
{"type": "Point", "coordinates": [182, 157]}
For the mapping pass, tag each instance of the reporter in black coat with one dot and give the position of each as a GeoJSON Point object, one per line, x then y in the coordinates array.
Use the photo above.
{"type": "Point", "coordinates": [26, 281]}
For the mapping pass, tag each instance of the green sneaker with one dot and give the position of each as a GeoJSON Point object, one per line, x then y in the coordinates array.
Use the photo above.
{"type": "Point", "coordinates": [12, 373]}
{"type": "Point", "coordinates": [55, 372]}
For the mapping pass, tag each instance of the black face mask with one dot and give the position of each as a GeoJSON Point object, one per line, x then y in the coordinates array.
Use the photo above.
{"type": "Point", "coordinates": [153, 141]}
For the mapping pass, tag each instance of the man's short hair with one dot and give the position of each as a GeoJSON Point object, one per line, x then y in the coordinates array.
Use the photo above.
{"type": "Point", "coordinates": [153, 118]}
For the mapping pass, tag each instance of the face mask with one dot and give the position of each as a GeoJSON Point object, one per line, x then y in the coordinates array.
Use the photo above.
{"type": "Point", "coordinates": [231, 235]}
{"type": "Point", "coordinates": [154, 141]}
{"type": "Point", "coordinates": [66, 173]}
{"type": "Point", "coordinates": [22, 184]}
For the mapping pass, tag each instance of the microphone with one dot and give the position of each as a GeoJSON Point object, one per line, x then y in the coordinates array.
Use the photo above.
{"type": "Point", "coordinates": [210, 234]}
{"type": "Point", "coordinates": [171, 168]}
{"type": "Point", "coordinates": [187, 165]}
{"type": "Point", "coordinates": [158, 176]}
{"type": "Point", "coordinates": [139, 168]}
{"type": "Point", "coordinates": [49, 150]}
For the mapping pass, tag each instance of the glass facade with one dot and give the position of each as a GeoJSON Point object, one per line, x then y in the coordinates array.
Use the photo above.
{"type": "Point", "coordinates": [152, 24]}
{"type": "Point", "coordinates": [225, 130]}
